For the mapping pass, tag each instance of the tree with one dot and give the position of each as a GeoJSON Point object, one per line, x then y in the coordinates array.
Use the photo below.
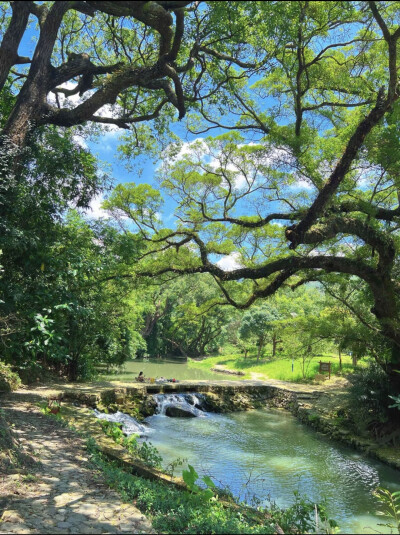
{"type": "Point", "coordinates": [323, 176]}
{"type": "Point", "coordinates": [317, 98]}
{"type": "Point", "coordinates": [258, 324]}
{"type": "Point", "coordinates": [181, 322]}
{"type": "Point", "coordinates": [70, 322]}
{"type": "Point", "coordinates": [133, 46]}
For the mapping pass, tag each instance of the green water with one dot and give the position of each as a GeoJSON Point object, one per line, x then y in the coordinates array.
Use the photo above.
{"type": "Point", "coordinates": [170, 369]}
{"type": "Point", "coordinates": [270, 454]}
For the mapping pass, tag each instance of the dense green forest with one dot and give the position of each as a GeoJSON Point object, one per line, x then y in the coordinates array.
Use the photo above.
{"type": "Point", "coordinates": [290, 171]}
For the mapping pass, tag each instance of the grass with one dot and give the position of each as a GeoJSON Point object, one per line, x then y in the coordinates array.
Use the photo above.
{"type": "Point", "coordinates": [280, 368]}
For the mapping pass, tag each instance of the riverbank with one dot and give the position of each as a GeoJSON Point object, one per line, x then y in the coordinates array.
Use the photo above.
{"type": "Point", "coordinates": [281, 369]}
{"type": "Point", "coordinates": [316, 406]}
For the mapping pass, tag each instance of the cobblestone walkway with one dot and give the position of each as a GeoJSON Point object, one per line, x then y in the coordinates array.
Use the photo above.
{"type": "Point", "coordinates": [61, 493]}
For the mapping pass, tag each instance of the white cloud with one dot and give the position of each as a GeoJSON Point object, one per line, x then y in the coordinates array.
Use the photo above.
{"type": "Point", "coordinates": [230, 262]}
{"type": "Point", "coordinates": [79, 140]}
{"type": "Point", "coordinates": [188, 147]}
{"type": "Point", "coordinates": [303, 184]}
{"type": "Point", "coordinates": [239, 178]}
{"type": "Point", "coordinates": [111, 111]}
{"type": "Point", "coordinates": [108, 110]}
{"type": "Point", "coordinates": [69, 102]}
{"type": "Point", "coordinates": [95, 211]}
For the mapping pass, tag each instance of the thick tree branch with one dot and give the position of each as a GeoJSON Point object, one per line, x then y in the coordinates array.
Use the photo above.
{"type": "Point", "coordinates": [148, 77]}
{"type": "Point", "coordinates": [125, 121]}
{"type": "Point", "coordinates": [296, 233]}
{"type": "Point", "coordinates": [12, 38]}
{"type": "Point", "coordinates": [346, 225]}
{"type": "Point", "coordinates": [152, 14]}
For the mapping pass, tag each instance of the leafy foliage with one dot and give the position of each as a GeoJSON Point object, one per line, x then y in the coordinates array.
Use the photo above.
{"type": "Point", "coordinates": [369, 397]}
{"type": "Point", "coordinates": [9, 380]}
{"type": "Point", "coordinates": [390, 507]}
{"type": "Point", "coordinates": [146, 452]}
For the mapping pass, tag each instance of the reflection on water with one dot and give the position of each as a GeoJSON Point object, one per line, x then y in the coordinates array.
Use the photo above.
{"type": "Point", "coordinates": [170, 369]}
{"type": "Point", "coordinates": [269, 453]}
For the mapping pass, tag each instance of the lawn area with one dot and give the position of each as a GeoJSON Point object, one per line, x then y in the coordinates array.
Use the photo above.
{"type": "Point", "coordinates": [276, 369]}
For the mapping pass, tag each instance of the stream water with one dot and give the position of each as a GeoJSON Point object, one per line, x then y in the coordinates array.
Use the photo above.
{"type": "Point", "coordinates": [178, 369]}
{"type": "Point", "coordinates": [268, 454]}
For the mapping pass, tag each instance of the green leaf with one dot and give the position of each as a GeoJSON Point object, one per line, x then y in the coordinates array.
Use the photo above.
{"type": "Point", "coordinates": [190, 477]}
{"type": "Point", "coordinates": [209, 482]}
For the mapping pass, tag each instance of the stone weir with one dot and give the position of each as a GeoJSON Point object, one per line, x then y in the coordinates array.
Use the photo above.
{"type": "Point", "coordinates": [221, 396]}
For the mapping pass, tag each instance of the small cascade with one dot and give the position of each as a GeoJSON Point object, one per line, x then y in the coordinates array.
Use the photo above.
{"type": "Point", "coordinates": [182, 405]}
{"type": "Point", "coordinates": [130, 426]}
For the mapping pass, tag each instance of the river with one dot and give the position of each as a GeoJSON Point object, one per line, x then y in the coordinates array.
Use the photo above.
{"type": "Point", "coordinates": [268, 455]}
{"type": "Point", "coordinates": [170, 369]}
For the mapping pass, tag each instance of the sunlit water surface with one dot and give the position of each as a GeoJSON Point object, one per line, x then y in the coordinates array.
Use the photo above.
{"type": "Point", "coordinates": [170, 369]}
{"type": "Point", "coordinates": [269, 454]}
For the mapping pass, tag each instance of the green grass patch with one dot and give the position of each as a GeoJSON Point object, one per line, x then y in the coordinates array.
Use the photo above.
{"type": "Point", "coordinates": [280, 368]}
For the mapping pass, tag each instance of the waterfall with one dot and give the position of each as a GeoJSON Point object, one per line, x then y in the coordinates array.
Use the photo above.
{"type": "Point", "coordinates": [130, 426]}
{"type": "Point", "coordinates": [192, 404]}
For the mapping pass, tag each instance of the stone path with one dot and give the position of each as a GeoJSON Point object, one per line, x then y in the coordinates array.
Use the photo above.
{"type": "Point", "coordinates": [62, 493]}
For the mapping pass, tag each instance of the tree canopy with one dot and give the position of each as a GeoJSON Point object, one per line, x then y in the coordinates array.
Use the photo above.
{"type": "Point", "coordinates": [314, 192]}
{"type": "Point", "coordinates": [302, 183]}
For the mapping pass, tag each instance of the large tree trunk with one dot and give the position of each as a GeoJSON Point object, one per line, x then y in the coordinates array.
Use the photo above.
{"type": "Point", "coordinates": [73, 368]}
{"type": "Point", "coordinates": [32, 99]}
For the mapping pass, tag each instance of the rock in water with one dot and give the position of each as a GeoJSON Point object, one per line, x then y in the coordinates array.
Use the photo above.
{"type": "Point", "coordinates": [178, 412]}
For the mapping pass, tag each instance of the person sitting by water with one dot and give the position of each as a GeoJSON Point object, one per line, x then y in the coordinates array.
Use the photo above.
{"type": "Point", "coordinates": [141, 377]}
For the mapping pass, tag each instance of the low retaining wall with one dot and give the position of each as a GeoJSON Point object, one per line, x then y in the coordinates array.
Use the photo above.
{"type": "Point", "coordinates": [224, 396]}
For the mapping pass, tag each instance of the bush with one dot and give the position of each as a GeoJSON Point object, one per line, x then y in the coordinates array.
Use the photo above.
{"type": "Point", "coordinates": [145, 452]}
{"type": "Point", "coordinates": [9, 380]}
{"type": "Point", "coordinates": [368, 397]}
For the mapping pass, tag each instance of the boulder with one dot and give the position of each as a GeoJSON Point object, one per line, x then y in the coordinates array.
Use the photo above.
{"type": "Point", "coordinates": [178, 412]}
{"type": "Point", "coordinates": [148, 407]}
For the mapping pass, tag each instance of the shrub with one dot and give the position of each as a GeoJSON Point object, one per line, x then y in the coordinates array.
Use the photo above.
{"type": "Point", "coordinates": [146, 452]}
{"type": "Point", "coordinates": [389, 503]}
{"type": "Point", "coordinates": [9, 380]}
{"type": "Point", "coordinates": [368, 397]}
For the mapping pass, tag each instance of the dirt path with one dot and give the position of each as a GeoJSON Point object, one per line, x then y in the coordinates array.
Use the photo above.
{"type": "Point", "coordinates": [61, 493]}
